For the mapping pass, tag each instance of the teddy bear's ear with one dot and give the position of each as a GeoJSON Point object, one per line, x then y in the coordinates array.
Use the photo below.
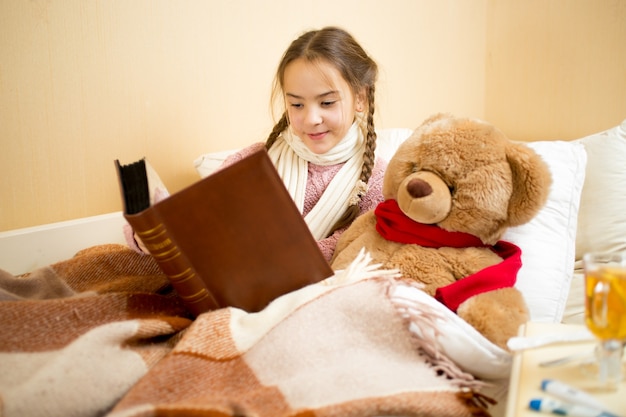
{"type": "Point", "coordinates": [436, 117]}
{"type": "Point", "coordinates": [531, 183]}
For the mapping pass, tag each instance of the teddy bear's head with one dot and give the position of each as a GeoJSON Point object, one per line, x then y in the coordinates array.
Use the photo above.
{"type": "Point", "coordinates": [465, 175]}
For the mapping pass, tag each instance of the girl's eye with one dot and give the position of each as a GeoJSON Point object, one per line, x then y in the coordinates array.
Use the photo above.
{"type": "Point", "coordinates": [328, 103]}
{"type": "Point", "coordinates": [296, 105]}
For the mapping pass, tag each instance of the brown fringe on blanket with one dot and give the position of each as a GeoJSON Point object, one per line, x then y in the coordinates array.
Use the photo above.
{"type": "Point", "coordinates": [476, 402]}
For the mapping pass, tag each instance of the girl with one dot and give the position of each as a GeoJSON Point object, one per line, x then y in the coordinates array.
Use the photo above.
{"type": "Point", "coordinates": [323, 145]}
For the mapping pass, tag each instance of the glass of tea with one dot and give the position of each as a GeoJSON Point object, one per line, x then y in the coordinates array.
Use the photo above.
{"type": "Point", "coordinates": [605, 313]}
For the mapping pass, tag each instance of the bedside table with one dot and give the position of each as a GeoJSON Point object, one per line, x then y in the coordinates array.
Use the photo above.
{"type": "Point", "coordinates": [526, 374]}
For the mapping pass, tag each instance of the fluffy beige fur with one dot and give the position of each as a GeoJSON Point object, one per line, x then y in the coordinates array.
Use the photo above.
{"type": "Point", "coordinates": [475, 180]}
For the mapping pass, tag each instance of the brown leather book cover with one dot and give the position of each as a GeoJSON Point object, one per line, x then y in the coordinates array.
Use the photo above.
{"type": "Point", "coordinates": [234, 238]}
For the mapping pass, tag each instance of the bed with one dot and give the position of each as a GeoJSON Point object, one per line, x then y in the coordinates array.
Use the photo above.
{"type": "Point", "coordinates": [91, 328]}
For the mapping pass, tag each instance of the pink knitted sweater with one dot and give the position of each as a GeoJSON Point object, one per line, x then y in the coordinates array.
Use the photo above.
{"type": "Point", "coordinates": [318, 179]}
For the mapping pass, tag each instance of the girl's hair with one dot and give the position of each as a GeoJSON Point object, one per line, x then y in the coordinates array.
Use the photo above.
{"type": "Point", "coordinates": [339, 48]}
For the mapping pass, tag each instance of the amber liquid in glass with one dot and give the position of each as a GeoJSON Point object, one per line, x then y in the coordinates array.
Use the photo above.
{"type": "Point", "coordinates": [605, 303]}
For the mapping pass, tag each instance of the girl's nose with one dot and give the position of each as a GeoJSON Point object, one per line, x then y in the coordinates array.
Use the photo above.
{"type": "Point", "coordinates": [313, 116]}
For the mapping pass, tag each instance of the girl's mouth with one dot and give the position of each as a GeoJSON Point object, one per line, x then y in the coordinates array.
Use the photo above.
{"type": "Point", "coordinates": [317, 136]}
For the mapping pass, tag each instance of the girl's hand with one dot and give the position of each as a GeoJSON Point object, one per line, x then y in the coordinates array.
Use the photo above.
{"type": "Point", "coordinates": [140, 244]}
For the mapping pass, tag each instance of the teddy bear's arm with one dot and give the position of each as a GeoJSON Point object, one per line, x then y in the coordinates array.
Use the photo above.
{"type": "Point", "coordinates": [467, 261]}
{"type": "Point", "coordinates": [439, 267]}
{"type": "Point", "coordinates": [364, 224]}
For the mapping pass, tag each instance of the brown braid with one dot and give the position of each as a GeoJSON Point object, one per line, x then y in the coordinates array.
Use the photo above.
{"type": "Point", "coordinates": [276, 131]}
{"type": "Point", "coordinates": [353, 211]}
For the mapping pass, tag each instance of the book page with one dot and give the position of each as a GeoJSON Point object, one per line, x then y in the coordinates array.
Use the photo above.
{"type": "Point", "coordinates": [158, 190]}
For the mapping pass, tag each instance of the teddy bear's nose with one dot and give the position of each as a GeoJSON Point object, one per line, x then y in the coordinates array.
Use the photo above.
{"type": "Point", "coordinates": [419, 188]}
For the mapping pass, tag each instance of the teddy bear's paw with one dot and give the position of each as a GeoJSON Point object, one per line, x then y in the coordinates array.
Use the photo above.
{"type": "Point", "coordinates": [424, 265]}
{"type": "Point", "coordinates": [497, 314]}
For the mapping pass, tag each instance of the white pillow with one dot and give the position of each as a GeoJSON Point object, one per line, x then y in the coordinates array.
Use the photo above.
{"type": "Point", "coordinates": [548, 241]}
{"type": "Point", "coordinates": [388, 140]}
{"type": "Point", "coordinates": [602, 215]}
{"type": "Point", "coordinates": [602, 219]}
{"type": "Point", "coordinates": [206, 163]}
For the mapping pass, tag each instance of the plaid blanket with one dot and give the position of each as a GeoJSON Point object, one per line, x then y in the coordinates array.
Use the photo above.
{"type": "Point", "coordinates": [103, 333]}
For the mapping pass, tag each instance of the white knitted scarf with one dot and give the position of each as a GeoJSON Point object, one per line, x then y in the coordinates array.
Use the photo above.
{"type": "Point", "coordinates": [291, 157]}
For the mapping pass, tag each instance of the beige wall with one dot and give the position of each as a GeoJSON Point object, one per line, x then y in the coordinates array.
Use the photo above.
{"type": "Point", "coordinates": [85, 82]}
{"type": "Point", "coordinates": [555, 68]}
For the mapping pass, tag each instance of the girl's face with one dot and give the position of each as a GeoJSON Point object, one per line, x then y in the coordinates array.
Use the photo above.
{"type": "Point", "coordinates": [320, 103]}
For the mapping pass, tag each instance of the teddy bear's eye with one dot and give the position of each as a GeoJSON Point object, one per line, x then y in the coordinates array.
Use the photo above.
{"type": "Point", "coordinates": [452, 189]}
{"type": "Point", "coordinates": [414, 168]}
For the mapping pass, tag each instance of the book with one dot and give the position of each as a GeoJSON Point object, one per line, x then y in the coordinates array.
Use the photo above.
{"type": "Point", "coordinates": [234, 238]}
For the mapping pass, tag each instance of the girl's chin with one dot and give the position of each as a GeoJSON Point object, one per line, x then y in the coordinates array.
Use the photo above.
{"type": "Point", "coordinates": [319, 148]}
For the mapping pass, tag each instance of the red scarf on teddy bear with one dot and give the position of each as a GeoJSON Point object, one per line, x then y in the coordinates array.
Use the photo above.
{"type": "Point", "coordinates": [394, 225]}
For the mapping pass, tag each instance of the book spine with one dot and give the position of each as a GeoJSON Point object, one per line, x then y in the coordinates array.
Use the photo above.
{"type": "Point", "coordinates": [172, 262]}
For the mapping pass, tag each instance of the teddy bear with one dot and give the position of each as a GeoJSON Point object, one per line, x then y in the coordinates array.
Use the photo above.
{"type": "Point", "coordinates": [450, 192]}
